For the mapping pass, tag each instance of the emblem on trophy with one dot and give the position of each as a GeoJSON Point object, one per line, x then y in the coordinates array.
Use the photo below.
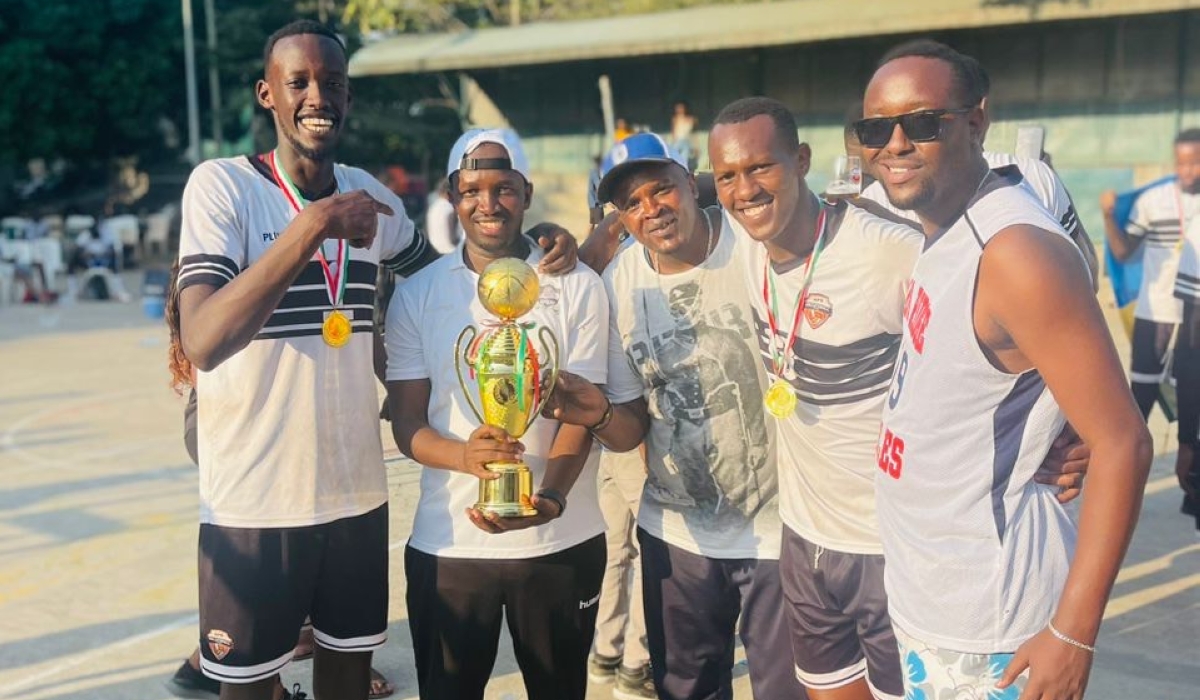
{"type": "Point", "coordinates": [513, 377]}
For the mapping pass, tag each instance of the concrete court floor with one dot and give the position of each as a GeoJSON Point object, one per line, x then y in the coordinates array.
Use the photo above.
{"type": "Point", "coordinates": [98, 531]}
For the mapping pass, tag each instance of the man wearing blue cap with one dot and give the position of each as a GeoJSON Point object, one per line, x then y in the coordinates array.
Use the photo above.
{"type": "Point", "coordinates": [542, 573]}
{"type": "Point", "coordinates": [827, 394]}
{"type": "Point", "coordinates": [684, 374]}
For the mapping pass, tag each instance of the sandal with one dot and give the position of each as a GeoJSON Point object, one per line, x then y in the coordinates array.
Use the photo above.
{"type": "Point", "coordinates": [381, 687]}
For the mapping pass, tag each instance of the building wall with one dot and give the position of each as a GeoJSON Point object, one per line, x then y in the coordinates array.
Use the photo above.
{"type": "Point", "coordinates": [1110, 93]}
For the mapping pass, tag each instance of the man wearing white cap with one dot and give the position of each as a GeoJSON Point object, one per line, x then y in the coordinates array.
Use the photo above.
{"type": "Point", "coordinates": [467, 570]}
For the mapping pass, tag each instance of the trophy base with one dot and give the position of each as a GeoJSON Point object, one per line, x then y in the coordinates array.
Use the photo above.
{"type": "Point", "coordinates": [509, 496]}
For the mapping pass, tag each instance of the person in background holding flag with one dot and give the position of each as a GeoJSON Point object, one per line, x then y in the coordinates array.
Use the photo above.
{"type": "Point", "coordinates": [1156, 221]}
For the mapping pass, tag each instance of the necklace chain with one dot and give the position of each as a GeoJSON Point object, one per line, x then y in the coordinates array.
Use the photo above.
{"type": "Point", "coordinates": [708, 248]}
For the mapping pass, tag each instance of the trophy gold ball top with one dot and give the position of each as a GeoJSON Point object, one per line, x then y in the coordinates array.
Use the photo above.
{"type": "Point", "coordinates": [509, 288]}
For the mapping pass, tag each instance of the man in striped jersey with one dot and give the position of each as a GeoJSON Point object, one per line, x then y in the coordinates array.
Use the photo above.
{"type": "Point", "coordinates": [1159, 218]}
{"type": "Point", "coordinates": [279, 255]}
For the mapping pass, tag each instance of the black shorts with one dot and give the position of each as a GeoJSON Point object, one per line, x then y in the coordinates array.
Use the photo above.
{"type": "Point", "coordinates": [258, 585]}
{"type": "Point", "coordinates": [838, 614]}
{"type": "Point", "coordinates": [1150, 343]}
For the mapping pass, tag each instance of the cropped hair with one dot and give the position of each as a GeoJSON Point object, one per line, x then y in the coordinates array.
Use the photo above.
{"type": "Point", "coordinates": [298, 28]}
{"type": "Point", "coordinates": [747, 108]}
{"type": "Point", "coordinates": [971, 80]}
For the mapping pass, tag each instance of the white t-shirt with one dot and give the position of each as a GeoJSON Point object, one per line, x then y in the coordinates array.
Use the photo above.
{"type": "Point", "coordinates": [686, 342]}
{"type": "Point", "coordinates": [288, 427]}
{"type": "Point", "coordinates": [425, 318]}
{"type": "Point", "coordinates": [1156, 218]}
{"type": "Point", "coordinates": [840, 368]}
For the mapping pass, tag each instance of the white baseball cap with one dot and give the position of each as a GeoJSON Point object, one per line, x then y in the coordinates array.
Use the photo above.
{"type": "Point", "coordinates": [505, 138]}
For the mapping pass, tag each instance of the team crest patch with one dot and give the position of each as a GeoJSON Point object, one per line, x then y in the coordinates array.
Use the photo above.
{"type": "Point", "coordinates": [550, 296]}
{"type": "Point", "coordinates": [219, 643]}
{"type": "Point", "coordinates": [817, 310]}
{"type": "Point", "coordinates": [620, 154]}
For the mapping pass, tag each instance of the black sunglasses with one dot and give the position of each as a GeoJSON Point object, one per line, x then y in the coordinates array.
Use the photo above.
{"type": "Point", "coordinates": [919, 127]}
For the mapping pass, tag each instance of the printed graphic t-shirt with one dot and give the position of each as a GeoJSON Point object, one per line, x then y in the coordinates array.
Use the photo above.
{"type": "Point", "coordinates": [686, 343]}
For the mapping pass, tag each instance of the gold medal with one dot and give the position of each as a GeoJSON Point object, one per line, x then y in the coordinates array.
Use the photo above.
{"type": "Point", "coordinates": [780, 399]}
{"type": "Point", "coordinates": [336, 329]}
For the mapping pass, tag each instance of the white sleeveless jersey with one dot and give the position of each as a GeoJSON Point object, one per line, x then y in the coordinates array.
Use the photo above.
{"type": "Point", "coordinates": [977, 553]}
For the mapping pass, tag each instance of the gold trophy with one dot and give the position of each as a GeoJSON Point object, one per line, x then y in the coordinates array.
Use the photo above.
{"type": "Point", "coordinates": [513, 379]}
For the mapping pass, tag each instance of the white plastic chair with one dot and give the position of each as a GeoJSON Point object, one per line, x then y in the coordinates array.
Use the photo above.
{"type": "Point", "coordinates": [158, 231]}
{"type": "Point", "coordinates": [49, 252]}
{"type": "Point", "coordinates": [125, 231]}
{"type": "Point", "coordinates": [78, 223]}
{"type": "Point", "coordinates": [6, 283]}
{"type": "Point", "coordinates": [55, 226]}
{"type": "Point", "coordinates": [14, 227]}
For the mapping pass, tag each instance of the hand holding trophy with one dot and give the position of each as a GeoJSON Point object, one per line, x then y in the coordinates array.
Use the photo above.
{"type": "Point", "coordinates": [512, 377]}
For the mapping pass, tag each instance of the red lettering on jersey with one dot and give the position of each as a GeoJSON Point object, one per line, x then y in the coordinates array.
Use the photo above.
{"type": "Point", "coordinates": [917, 312]}
{"type": "Point", "coordinates": [889, 454]}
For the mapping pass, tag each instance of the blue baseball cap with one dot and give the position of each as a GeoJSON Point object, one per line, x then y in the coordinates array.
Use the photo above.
{"type": "Point", "coordinates": [634, 150]}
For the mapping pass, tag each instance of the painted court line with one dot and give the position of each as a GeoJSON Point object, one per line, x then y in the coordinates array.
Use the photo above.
{"type": "Point", "coordinates": [59, 667]}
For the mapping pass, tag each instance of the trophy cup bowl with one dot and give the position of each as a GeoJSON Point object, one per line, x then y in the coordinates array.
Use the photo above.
{"type": "Point", "coordinates": [513, 379]}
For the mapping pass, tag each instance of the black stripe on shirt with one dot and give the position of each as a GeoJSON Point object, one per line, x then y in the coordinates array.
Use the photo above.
{"type": "Point", "coordinates": [407, 262]}
{"type": "Point", "coordinates": [213, 270]}
{"type": "Point", "coordinates": [360, 272]}
{"type": "Point", "coordinates": [1070, 220]}
{"type": "Point", "coordinates": [315, 317]}
{"type": "Point", "coordinates": [319, 296]}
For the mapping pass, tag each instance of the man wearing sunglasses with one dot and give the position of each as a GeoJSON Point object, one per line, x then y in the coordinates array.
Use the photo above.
{"type": "Point", "coordinates": [1037, 175]}
{"type": "Point", "coordinates": [1003, 341]}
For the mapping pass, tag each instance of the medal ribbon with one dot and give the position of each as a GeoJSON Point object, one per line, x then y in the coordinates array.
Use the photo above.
{"type": "Point", "coordinates": [772, 303]}
{"type": "Point", "coordinates": [335, 284]}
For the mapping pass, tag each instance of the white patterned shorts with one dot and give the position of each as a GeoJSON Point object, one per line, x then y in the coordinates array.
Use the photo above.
{"type": "Point", "coordinates": [940, 674]}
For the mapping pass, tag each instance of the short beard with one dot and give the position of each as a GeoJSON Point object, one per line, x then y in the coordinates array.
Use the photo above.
{"type": "Point", "coordinates": [306, 152]}
{"type": "Point", "coordinates": [915, 201]}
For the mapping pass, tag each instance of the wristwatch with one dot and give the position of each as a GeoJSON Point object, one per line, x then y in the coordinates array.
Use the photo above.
{"type": "Point", "coordinates": [556, 496]}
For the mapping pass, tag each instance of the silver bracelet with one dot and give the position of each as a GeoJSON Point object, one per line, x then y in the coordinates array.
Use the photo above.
{"type": "Point", "coordinates": [1073, 642]}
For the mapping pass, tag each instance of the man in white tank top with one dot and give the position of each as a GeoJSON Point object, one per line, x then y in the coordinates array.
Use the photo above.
{"type": "Point", "coordinates": [986, 587]}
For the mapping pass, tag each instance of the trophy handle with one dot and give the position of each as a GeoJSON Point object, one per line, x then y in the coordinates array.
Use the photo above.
{"type": "Point", "coordinates": [549, 342]}
{"type": "Point", "coordinates": [460, 353]}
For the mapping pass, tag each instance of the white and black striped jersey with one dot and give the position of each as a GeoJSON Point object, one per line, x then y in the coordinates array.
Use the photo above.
{"type": "Point", "coordinates": [977, 551]}
{"type": "Point", "coordinates": [1187, 280]}
{"type": "Point", "coordinates": [840, 367]}
{"type": "Point", "coordinates": [1159, 216]}
{"type": "Point", "coordinates": [288, 427]}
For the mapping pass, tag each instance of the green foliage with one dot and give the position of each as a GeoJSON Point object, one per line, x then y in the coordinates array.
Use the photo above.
{"type": "Point", "coordinates": [93, 80]}
{"type": "Point", "coordinates": [437, 15]}
{"type": "Point", "coordinates": [87, 80]}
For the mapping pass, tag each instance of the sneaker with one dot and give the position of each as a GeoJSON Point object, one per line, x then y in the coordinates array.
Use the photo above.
{"type": "Point", "coordinates": [634, 684]}
{"type": "Point", "coordinates": [191, 683]}
{"type": "Point", "coordinates": [603, 669]}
